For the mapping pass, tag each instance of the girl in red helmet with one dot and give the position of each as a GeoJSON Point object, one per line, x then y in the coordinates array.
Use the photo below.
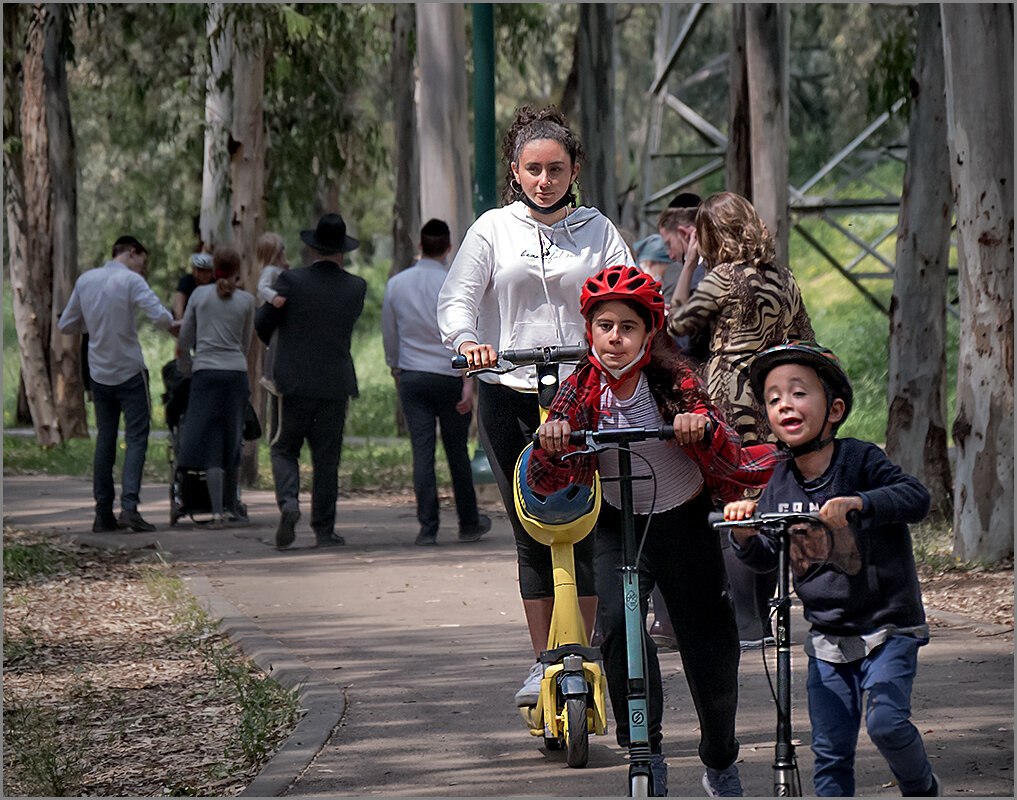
{"type": "Point", "coordinates": [635, 378]}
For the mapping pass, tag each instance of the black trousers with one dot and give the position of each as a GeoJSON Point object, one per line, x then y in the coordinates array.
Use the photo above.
{"type": "Point", "coordinates": [428, 398]}
{"type": "Point", "coordinates": [682, 556]}
{"type": "Point", "coordinates": [320, 422]}
{"type": "Point", "coordinates": [505, 420]}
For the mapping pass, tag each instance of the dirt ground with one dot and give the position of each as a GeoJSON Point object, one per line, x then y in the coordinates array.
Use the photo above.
{"type": "Point", "coordinates": [176, 737]}
{"type": "Point", "coordinates": [174, 733]}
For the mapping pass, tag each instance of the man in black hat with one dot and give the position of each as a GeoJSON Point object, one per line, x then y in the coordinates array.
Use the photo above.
{"type": "Point", "coordinates": [314, 375]}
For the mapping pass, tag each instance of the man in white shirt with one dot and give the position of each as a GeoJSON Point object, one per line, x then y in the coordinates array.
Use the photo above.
{"type": "Point", "coordinates": [104, 305]}
{"type": "Point", "coordinates": [429, 389]}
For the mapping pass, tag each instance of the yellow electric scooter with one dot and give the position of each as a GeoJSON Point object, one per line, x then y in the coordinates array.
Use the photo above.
{"type": "Point", "coordinates": [573, 691]}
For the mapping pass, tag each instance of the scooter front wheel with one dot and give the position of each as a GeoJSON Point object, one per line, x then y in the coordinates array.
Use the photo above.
{"type": "Point", "coordinates": [639, 786]}
{"type": "Point", "coordinates": [577, 732]}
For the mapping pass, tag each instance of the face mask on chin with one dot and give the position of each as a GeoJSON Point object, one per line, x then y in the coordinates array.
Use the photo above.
{"type": "Point", "coordinates": [563, 201]}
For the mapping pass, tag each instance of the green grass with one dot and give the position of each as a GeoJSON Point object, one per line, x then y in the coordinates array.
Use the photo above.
{"type": "Point", "coordinates": [23, 561]}
{"type": "Point", "coordinates": [366, 465]}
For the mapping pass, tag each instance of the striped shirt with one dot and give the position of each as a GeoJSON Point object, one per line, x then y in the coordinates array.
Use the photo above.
{"type": "Point", "coordinates": [677, 477]}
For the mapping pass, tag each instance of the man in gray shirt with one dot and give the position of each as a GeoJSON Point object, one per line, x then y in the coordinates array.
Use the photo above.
{"type": "Point", "coordinates": [429, 389]}
{"type": "Point", "coordinates": [104, 304]}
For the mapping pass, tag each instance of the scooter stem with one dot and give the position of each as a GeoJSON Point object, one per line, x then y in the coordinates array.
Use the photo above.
{"type": "Point", "coordinates": [566, 619]}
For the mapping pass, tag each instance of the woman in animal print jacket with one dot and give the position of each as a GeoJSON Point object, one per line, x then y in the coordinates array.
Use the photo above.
{"type": "Point", "coordinates": [746, 303]}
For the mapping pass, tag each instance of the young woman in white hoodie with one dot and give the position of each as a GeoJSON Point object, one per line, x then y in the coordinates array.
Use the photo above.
{"type": "Point", "coordinates": [515, 283]}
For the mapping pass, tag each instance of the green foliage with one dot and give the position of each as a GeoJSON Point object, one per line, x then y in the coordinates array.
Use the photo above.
{"type": "Point", "coordinates": [932, 543]}
{"type": "Point", "coordinates": [23, 561]}
{"type": "Point", "coordinates": [137, 105]}
{"type": "Point", "coordinates": [894, 67]}
{"type": "Point", "coordinates": [42, 756]}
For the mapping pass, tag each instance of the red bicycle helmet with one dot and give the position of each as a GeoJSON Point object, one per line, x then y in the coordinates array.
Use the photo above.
{"type": "Point", "coordinates": [621, 282]}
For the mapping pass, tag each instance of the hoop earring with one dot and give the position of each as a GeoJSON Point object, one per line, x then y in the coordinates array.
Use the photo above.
{"type": "Point", "coordinates": [515, 186]}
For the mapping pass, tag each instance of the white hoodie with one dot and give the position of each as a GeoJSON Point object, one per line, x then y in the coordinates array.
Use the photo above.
{"type": "Point", "coordinates": [515, 282]}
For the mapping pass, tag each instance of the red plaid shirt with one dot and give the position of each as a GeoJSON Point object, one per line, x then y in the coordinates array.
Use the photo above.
{"type": "Point", "coordinates": [727, 467]}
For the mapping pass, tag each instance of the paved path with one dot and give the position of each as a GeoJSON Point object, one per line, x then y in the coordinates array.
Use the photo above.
{"type": "Point", "coordinates": [409, 658]}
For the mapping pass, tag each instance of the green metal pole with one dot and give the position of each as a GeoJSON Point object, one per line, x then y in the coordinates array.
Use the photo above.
{"type": "Point", "coordinates": [484, 187]}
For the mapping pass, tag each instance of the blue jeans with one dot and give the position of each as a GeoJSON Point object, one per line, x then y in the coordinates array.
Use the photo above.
{"type": "Point", "coordinates": [427, 397]}
{"type": "Point", "coordinates": [835, 712]}
{"type": "Point", "coordinates": [131, 399]}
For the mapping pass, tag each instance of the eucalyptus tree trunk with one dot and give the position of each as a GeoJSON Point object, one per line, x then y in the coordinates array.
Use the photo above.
{"type": "Point", "coordinates": [65, 352]}
{"type": "Point", "coordinates": [247, 163]}
{"type": "Point", "coordinates": [406, 207]}
{"type": "Point", "coordinates": [738, 159]}
{"type": "Point", "coordinates": [215, 180]}
{"type": "Point", "coordinates": [442, 124]}
{"type": "Point", "coordinates": [916, 426]}
{"type": "Point", "coordinates": [41, 212]}
{"type": "Point", "coordinates": [14, 178]}
{"type": "Point", "coordinates": [978, 51]}
{"type": "Point", "coordinates": [767, 49]}
{"type": "Point", "coordinates": [596, 106]}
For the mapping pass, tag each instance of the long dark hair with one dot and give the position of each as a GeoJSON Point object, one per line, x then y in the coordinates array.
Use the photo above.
{"type": "Point", "coordinates": [530, 124]}
{"type": "Point", "coordinates": [225, 266]}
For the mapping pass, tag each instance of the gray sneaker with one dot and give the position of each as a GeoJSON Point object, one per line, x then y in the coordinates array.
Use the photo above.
{"type": "Point", "coordinates": [529, 694]}
{"type": "Point", "coordinates": [722, 782]}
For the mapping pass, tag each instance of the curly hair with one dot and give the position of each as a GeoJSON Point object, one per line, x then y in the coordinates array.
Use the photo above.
{"type": "Point", "coordinates": [729, 230]}
{"type": "Point", "coordinates": [530, 124]}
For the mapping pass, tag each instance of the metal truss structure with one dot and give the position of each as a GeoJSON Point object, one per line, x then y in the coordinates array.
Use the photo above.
{"type": "Point", "coordinates": [827, 196]}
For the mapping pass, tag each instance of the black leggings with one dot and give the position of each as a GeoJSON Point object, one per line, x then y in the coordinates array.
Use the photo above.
{"type": "Point", "coordinates": [505, 420]}
{"type": "Point", "coordinates": [682, 556]}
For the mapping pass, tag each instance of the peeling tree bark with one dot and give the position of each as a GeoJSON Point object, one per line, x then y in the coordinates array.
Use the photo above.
{"type": "Point", "coordinates": [596, 106]}
{"type": "Point", "coordinates": [978, 51]}
{"type": "Point", "coordinates": [215, 181]}
{"type": "Point", "coordinates": [441, 125]}
{"type": "Point", "coordinates": [64, 351]}
{"type": "Point", "coordinates": [738, 159]}
{"type": "Point", "coordinates": [406, 206]}
{"type": "Point", "coordinates": [29, 224]}
{"type": "Point", "coordinates": [916, 427]}
{"type": "Point", "coordinates": [767, 48]}
{"type": "Point", "coordinates": [247, 160]}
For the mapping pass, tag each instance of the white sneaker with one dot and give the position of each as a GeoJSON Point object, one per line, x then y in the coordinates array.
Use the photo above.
{"type": "Point", "coordinates": [529, 694]}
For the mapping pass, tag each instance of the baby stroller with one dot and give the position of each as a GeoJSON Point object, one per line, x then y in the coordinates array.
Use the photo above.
{"type": "Point", "coordinates": [188, 487]}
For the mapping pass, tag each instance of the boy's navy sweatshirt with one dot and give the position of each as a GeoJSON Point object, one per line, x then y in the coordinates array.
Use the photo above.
{"type": "Point", "coordinates": [882, 588]}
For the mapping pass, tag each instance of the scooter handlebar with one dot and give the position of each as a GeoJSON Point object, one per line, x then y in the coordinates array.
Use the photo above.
{"type": "Point", "coordinates": [523, 357]}
{"type": "Point", "coordinates": [624, 435]}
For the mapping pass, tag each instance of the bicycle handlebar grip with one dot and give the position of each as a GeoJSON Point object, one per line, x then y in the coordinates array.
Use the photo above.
{"type": "Point", "coordinates": [460, 362]}
{"type": "Point", "coordinates": [664, 432]}
{"type": "Point", "coordinates": [543, 355]}
{"type": "Point", "coordinates": [715, 517]}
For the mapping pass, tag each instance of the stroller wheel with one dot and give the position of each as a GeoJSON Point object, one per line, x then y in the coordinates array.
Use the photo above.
{"type": "Point", "coordinates": [174, 513]}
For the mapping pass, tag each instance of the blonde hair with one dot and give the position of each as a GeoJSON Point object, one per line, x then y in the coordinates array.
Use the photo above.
{"type": "Point", "coordinates": [269, 246]}
{"type": "Point", "coordinates": [729, 231]}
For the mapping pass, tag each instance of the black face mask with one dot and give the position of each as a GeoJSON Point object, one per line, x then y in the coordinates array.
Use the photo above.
{"type": "Point", "coordinates": [568, 198]}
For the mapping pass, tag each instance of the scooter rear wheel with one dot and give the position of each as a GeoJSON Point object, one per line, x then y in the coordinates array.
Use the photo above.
{"type": "Point", "coordinates": [577, 732]}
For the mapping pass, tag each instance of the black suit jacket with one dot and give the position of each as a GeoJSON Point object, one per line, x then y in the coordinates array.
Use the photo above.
{"type": "Point", "coordinates": [315, 325]}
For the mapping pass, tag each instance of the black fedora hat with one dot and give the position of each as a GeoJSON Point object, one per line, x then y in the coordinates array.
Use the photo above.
{"type": "Point", "coordinates": [330, 236]}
